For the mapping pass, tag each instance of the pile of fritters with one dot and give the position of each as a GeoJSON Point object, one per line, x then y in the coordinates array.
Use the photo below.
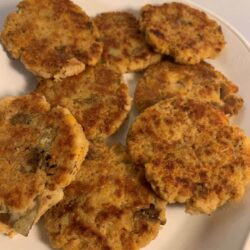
{"type": "Point", "coordinates": [182, 148]}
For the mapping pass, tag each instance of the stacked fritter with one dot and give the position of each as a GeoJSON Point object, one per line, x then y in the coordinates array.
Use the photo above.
{"type": "Point", "coordinates": [41, 151]}
{"type": "Point", "coordinates": [181, 148]}
{"type": "Point", "coordinates": [201, 81]}
{"type": "Point", "coordinates": [124, 44]}
{"type": "Point", "coordinates": [191, 154]}
{"type": "Point", "coordinates": [183, 32]}
{"type": "Point", "coordinates": [52, 38]}
{"type": "Point", "coordinates": [109, 205]}
{"type": "Point", "coordinates": [97, 97]}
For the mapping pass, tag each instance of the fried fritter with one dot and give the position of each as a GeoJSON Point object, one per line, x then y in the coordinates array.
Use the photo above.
{"type": "Point", "coordinates": [185, 33]}
{"type": "Point", "coordinates": [109, 201]}
{"type": "Point", "coordinates": [41, 151]}
{"type": "Point", "coordinates": [191, 154]}
{"type": "Point", "coordinates": [201, 82]}
{"type": "Point", "coordinates": [97, 98]}
{"type": "Point", "coordinates": [53, 38]}
{"type": "Point", "coordinates": [124, 44]}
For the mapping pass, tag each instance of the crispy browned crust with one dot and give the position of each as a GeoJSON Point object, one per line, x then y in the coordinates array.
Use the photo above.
{"type": "Point", "coordinates": [98, 99]}
{"type": "Point", "coordinates": [53, 38]}
{"type": "Point", "coordinates": [201, 82]}
{"type": "Point", "coordinates": [191, 154]}
{"type": "Point", "coordinates": [124, 45]}
{"type": "Point", "coordinates": [109, 197]}
{"type": "Point", "coordinates": [74, 234]}
{"type": "Point", "coordinates": [41, 151]}
{"type": "Point", "coordinates": [181, 31]}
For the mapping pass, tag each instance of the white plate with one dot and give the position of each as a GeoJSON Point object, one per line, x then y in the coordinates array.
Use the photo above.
{"type": "Point", "coordinates": [226, 229]}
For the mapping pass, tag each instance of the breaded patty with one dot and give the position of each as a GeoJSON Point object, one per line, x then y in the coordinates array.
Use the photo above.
{"type": "Point", "coordinates": [201, 81]}
{"type": "Point", "coordinates": [97, 98]}
{"type": "Point", "coordinates": [191, 154]}
{"type": "Point", "coordinates": [178, 30]}
{"type": "Point", "coordinates": [41, 150]}
{"type": "Point", "coordinates": [124, 44]}
{"type": "Point", "coordinates": [108, 206]}
{"type": "Point", "coordinates": [53, 38]}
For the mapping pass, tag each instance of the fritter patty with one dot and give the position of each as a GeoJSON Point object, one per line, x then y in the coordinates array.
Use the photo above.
{"type": "Point", "coordinates": [201, 82]}
{"type": "Point", "coordinates": [124, 44]}
{"type": "Point", "coordinates": [191, 154]}
{"type": "Point", "coordinates": [41, 151]}
{"type": "Point", "coordinates": [185, 33]}
{"type": "Point", "coordinates": [109, 202]}
{"type": "Point", "coordinates": [53, 38]}
{"type": "Point", "coordinates": [97, 98]}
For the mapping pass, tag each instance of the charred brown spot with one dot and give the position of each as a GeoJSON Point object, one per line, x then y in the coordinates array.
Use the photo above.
{"type": "Point", "coordinates": [37, 158]}
{"type": "Point", "coordinates": [232, 104]}
{"type": "Point", "coordinates": [183, 181]}
{"type": "Point", "coordinates": [157, 33]}
{"type": "Point", "coordinates": [201, 189]}
{"type": "Point", "coordinates": [89, 25]}
{"type": "Point", "coordinates": [5, 218]}
{"type": "Point", "coordinates": [34, 161]}
{"type": "Point", "coordinates": [203, 175]}
{"type": "Point", "coordinates": [96, 47]}
{"type": "Point", "coordinates": [220, 29]}
{"type": "Point", "coordinates": [198, 111]}
{"type": "Point", "coordinates": [106, 214]}
{"type": "Point", "coordinates": [150, 213]}
{"type": "Point", "coordinates": [224, 91]}
{"type": "Point", "coordinates": [61, 49]}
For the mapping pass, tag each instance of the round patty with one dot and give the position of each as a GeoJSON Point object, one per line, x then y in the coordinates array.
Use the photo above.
{"type": "Point", "coordinates": [53, 38]}
{"type": "Point", "coordinates": [124, 45]}
{"type": "Point", "coordinates": [41, 151]}
{"type": "Point", "coordinates": [178, 30]}
{"type": "Point", "coordinates": [201, 82]}
{"type": "Point", "coordinates": [97, 98]}
{"type": "Point", "coordinates": [109, 202]}
{"type": "Point", "coordinates": [191, 154]}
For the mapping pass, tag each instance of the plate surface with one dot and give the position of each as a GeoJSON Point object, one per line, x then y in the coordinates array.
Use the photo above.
{"type": "Point", "coordinates": [226, 229]}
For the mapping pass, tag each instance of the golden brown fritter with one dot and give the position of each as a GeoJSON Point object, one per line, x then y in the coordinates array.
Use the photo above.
{"type": "Point", "coordinates": [109, 201]}
{"type": "Point", "coordinates": [201, 82]}
{"type": "Point", "coordinates": [124, 45]}
{"type": "Point", "coordinates": [191, 154]}
{"type": "Point", "coordinates": [53, 38]}
{"type": "Point", "coordinates": [41, 151]}
{"type": "Point", "coordinates": [97, 98]}
{"type": "Point", "coordinates": [185, 33]}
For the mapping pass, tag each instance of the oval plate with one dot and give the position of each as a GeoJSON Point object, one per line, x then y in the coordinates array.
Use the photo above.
{"type": "Point", "coordinates": [226, 229]}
